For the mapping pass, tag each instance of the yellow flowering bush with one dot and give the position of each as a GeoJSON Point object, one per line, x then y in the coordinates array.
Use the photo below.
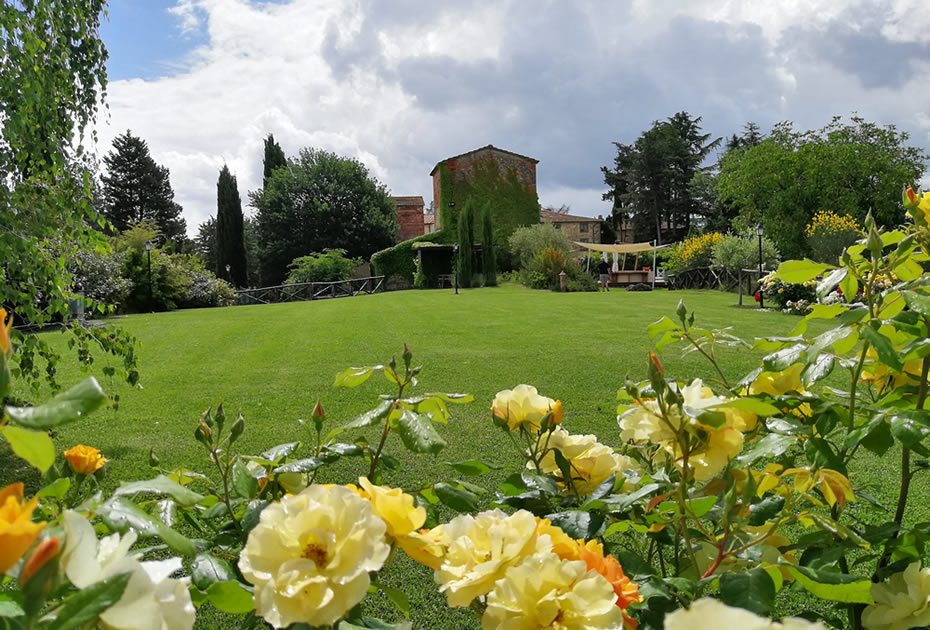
{"type": "Point", "coordinates": [591, 462]}
{"type": "Point", "coordinates": [829, 234]}
{"type": "Point", "coordinates": [696, 251]}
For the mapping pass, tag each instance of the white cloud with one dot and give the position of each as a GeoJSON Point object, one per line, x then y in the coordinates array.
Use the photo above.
{"type": "Point", "coordinates": [401, 85]}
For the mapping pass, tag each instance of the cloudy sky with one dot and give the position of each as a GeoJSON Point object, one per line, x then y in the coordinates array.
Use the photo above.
{"type": "Point", "coordinates": [402, 84]}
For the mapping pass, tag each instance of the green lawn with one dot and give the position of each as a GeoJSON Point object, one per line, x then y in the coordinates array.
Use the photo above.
{"type": "Point", "coordinates": [273, 362]}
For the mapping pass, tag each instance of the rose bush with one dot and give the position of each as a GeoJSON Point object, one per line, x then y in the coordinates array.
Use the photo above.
{"type": "Point", "coordinates": [721, 496]}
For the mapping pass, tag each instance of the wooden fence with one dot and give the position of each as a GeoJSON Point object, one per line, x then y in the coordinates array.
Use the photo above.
{"type": "Point", "coordinates": [745, 282]}
{"type": "Point", "coordinates": [307, 291]}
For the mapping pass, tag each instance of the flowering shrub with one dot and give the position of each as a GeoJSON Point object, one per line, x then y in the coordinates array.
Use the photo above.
{"type": "Point", "coordinates": [741, 251]}
{"type": "Point", "coordinates": [829, 234]}
{"type": "Point", "coordinates": [723, 494]}
{"type": "Point", "coordinates": [779, 293]}
{"type": "Point", "coordinates": [697, 251]}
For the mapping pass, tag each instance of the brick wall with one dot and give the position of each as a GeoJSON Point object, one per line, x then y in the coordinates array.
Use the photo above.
{"type": "Point", "coordinates": [409, 217]}
{"type": "Point", "coordinates": [461, 167]}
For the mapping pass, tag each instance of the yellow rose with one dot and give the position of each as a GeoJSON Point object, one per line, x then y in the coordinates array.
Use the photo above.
{"type": "Point", "coordinates": [17, 531]}
{"type": "Point", "coordinates": [563, 545]}
{"type": "Point", "coordinates": [479, 549]}
{"type": "Point", "coordinates": [547, 592]}
{"type": "Point", "coordinates": [592, 462]}
{"type": "Point", "coordinates": [310, 555]}
{"type": "Point", "coordinates": [779, 383]}
{"type": "Point", "coordinates": [394, 507]}
{"type": "Point", "coordinates": [85, 460]}
{"type": "Point", "coordinates": [522, 405]}
{"type": "Point", "coordinates": [711, 614]}
{"type": "Point", "coordinates": [6, 325]}
{"type": "Point", "coordinates": [900, 603]}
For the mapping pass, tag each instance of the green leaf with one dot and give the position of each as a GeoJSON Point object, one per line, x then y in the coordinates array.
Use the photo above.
{"type": "Point", "coordinates": [766, 510]}
{"type": "Point", "coordinates": [68, 406]}
{"type": "Point", "coordinates": [355, 376]}
{"type": "Point", "coordinates": [883, 346]}
{"type": "Point", "coordinates": [418, 434]}
{"type": "Point", "coordinates": [371, 416]}
{"type": "Point", "coordinates": [35, 447]}
{"type": "Point", "coordinates": [661, 326]}
{"type": "Point", "coordinates": [275, 453]}
{"type": "Point", "coordinates": [538, 481]}
{"type": "Point", "coordinates": [850, 287]}
{"type": "Point", "coordinates": [911, 429]}
{"type": "Point", "coordinates": [819, 369]}
{"type": "Point", "coordinates": [397, 597]}
{"type": "Point", "coordinates": [820, 454]}
{"type": "Point", "coordinates": [300, 466]}
{"type": "Point", "coordinates": [670, 337]}
{"type": "Point", "coordinates": [778, 361]}
{"type": "Point", "coordinates": [344, 449]}
{"type": "Point", "coordinates": [87, 604]}
{"type": "Point", "coordinates": [798, 271]}
{"type": "Point", "coordinates": [918, 302]}
{"type": "Point", "coordinates": [456, 498]}
{"type": "Point", "coordinates": [245, 485]}
{"type": "Point", "coordinates": [160, 485]}
{"type": "Point", "coordinates": [208, 570]}
{"type": "Point", "coordinates": [120, 514]}
{"type": "Point", "coordinates": [565, 467]}
{"type": "Point", "coordinates": [472, 467]}
{"type": "Point", "coordinates": [837, 587]}
{"type": "Point", "coordinates": [10, 605]}
{"type": "Point", "coordinates": [605, 489]}
{"type": "Point", "coordinates": [579, 524]}
{"type": "Point", "coordinates": [824, 340]}
{"type": "Point", "coordinates": [753, 590]}
{"type": "Point", "coordinates": [824, 287]}
{"type": "Point", "coordinates": [772, 445]}
{"type": "Point", "coordinates": [57, 489]}
{"type": "Point", "coordinates": [752, 405]}
{"type": "Point", "coordinates": [455, 399]}
{"type": "Point", "coordinates": [700, 507]}
{"type": "Point", "coordinates": [231, 597]}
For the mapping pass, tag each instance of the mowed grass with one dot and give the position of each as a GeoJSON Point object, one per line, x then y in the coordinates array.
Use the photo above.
{"type": "Point", "coordinates": [272, 362]}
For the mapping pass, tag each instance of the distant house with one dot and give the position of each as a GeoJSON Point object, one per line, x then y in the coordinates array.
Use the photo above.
{"type": "Point", "coordinates": [579, 229]}
{"type": "Point", "coordinates": [409, 217]}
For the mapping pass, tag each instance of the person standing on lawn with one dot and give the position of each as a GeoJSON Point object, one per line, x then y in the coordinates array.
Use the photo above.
{"type": "Point", "coordinates": [603, 269]}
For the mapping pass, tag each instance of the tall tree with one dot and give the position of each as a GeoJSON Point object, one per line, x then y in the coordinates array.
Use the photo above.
{"type": "Point", "coordinates": [205, 243]}
{"type": "Point", "coordinates": [488, 258]}
{"type": "Point", "coordinates": [135, 187]}
{"type": "Point", "coordinates": [651, 179]}
{"type": "Point", "coordinates": [230, 240]}
{"type": "Point", "coordinates": [274, 158]}
{"type": "Point", "coordinates": [852, 168]}
{"type": "Point", "coordinates": [320, 201]}
{"type": "Point", "coordinates": [466, 262]}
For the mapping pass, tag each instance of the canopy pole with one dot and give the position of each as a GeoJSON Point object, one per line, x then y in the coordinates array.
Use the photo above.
{"type": "Point", "coordinates": [653, 265]}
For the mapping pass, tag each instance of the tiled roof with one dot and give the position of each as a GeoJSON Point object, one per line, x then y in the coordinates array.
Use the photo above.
{"type": "Point", "coordinates": [408, 201]}
{"type": "Point", "coordinates": [492, 148]}
{"type": "Point", "coordinates": [548, 216]}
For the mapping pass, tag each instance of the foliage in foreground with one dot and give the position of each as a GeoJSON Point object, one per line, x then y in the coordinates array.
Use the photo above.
{"type": "Point", "coordinates": [724, 495]}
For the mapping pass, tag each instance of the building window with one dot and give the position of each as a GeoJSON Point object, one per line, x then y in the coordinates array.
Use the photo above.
{"type": "Point", "coordinates": [583, 227]}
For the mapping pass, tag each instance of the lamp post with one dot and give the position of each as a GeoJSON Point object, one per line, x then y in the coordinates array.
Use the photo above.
{"type": "Point", "coordinates": [148, 254]}
{"type": "Point", "coordinates": [759, 232]}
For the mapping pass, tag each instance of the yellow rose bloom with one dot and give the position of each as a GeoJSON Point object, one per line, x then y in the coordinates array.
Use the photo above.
{"type": "Point", "coordinates": [563, 545]}
{"type": "Point", "coordinates": [310, 555]}
{"type": "Point", "coordinates": [480, 548]}
{"type": "Point", "coordinates": [523, 405]}
{"type": "Point", "coordinates": [592, 554]}
{"type": "Point", "coordinates": [548, 592]}
{"type": "Point", "coordinates": [592, 462]}
{"type": "Point", "coordinates": [900, 603]}
{"type": "Point", "coordinates": [424, 547]}
{"type": "Point", "coordinates": [17, 531]}
{"type": "Point", "coordinates": [779, 383]}
{"type": "Point", "coordinates": [711, 614]}
{"type": "Point", "coordinates": [85, 460]}
{"type": "Point", "coordinates": [6, 325]}
{"type": "Point", "coordinates": [394, 507]}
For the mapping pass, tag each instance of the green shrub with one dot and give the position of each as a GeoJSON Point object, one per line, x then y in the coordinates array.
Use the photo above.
{"type": "Point", "coordinates": [780, 293]}
{"type": "Point", "coordinates": [829, 234]}
{"type": "Point", "coordinates": [734, 252]}
{"type": "Point", "coordinates": [400, 258]}
{"type": "Point", "coordinates": [527, 242]}
{"type": "Point", "coordinates": [329, 266]}
{"type": "Point", "coordinates": [465, 265]}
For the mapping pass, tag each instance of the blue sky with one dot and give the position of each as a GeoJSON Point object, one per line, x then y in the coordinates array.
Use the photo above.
{"type": "Point", "coordinates": [402, 84]}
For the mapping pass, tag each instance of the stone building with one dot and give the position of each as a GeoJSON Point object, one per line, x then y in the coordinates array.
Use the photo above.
{"type": "Point", "coordinates": [409, 217]}
{"type": "Point", "coordinates": [578, 229]}
{"type": "Point", "coordinates": [462, 167]}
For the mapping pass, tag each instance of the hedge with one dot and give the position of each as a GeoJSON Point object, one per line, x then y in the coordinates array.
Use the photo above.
{"type": "Point", "coordinates": [399, 259]}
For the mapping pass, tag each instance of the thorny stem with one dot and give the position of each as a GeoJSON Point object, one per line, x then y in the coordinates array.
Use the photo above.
{"type": "Point", "coordinates": [720, 555]}
{"type": "Point", "coordinates": [710, 358]}
{"type": "Point", "coordinates": [224, 477]}
{"type": "Point", "coordinates": [387, 428]}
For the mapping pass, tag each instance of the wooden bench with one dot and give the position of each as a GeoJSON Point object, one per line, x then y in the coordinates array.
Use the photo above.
{"type": "Point", "coordinates": [446, 279]}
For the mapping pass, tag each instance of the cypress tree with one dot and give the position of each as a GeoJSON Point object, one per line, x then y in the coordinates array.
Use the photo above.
{"type": "Point", "coordinates": [466, 262]}
{"type": "Point", "coordinates": [230, 242]}
{"type": "Point", "coordinates": [488, 259]}
{"type": "Point", "coordinates": [274, 158]}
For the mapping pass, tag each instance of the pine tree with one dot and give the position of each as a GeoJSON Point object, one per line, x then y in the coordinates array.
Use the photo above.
{"type": "Point", "coordinates": [466, 261]}
{"type": "Point", "coordinates": [135, 187]}
{"type": "Point", "coordinates": [274, 158]}
{"type": "Point", "coordinates": [230, 244]}
{"type": "Point", "coordinates": [488, 259]}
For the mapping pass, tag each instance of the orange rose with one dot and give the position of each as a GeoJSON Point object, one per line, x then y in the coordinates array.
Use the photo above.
{"type": "Point", "coordinates": [6, 325]}
{"type": "Point", "coordinates": [17, 531]}
{"type": "Point", "coordinates": [592, 552]}
{"type": "Point", "coordinates": [85, 460]}
{"type": "Point", "coordinates": [46, 551]}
